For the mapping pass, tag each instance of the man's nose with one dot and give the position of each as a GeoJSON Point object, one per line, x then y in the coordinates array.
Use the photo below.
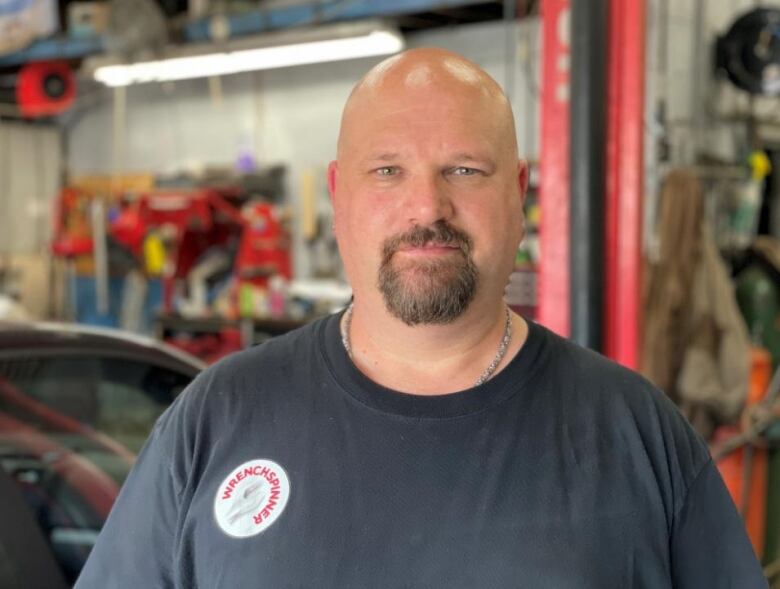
{"type": "Point", "coordinates": [429, 201]}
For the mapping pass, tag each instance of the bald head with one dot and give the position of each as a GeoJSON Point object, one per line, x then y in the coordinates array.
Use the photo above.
{"type": "Point", "coordinates": [425, 74]}
{"type": "Point", "coordinates": [427, 158]}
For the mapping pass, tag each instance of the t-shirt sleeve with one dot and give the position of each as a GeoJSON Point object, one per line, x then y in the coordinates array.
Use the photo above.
{"type": "Point", "coordinates": [136, 547]}
{"type": "Point", "coordinates": [710, 547]}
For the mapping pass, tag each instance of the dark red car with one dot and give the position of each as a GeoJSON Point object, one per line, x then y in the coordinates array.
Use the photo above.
{"type": "Point", "coordinates": [76, 405]}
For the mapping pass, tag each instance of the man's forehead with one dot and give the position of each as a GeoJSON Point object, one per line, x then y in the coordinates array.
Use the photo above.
{"type": "Point", "coordinates": [415, 140]}
{"type": "Point", "coordinates": [425, 129]}
{"type": "Point", "coordinates": [401, 106]}
{"type": "Point", "coordinates": [425, 104]}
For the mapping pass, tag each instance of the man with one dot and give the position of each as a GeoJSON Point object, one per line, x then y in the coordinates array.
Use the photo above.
{"type": "Point", "coordinates": [427, 437]}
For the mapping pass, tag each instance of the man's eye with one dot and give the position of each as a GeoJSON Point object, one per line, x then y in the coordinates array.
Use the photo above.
{"type": "Point", "coordinates": [386, 171]}
{"type": "Point", "coordinates": [464, 171]}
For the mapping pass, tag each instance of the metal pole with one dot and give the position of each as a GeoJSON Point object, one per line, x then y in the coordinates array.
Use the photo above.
{"type": "Point", "coordinates": [625, 195]}
{"type": "Point", "coordinates": [554, 199]}
{"type": "Point", "coordinates": [100, 254]}
{"type": "Point", "coordinates": [588, 159]}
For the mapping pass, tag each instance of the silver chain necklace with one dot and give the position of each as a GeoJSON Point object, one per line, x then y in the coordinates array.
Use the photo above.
{"type": "Point", "coordinates": [488, 372]}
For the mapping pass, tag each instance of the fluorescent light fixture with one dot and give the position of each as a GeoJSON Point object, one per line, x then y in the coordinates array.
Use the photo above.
{"type": "Point", "coordinates": [276, 50]}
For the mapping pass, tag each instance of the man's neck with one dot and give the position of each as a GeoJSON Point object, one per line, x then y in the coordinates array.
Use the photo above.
{"type": "Point", "coordinates": [431, 359]}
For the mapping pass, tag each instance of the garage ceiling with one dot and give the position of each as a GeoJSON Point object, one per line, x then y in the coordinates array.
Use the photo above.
{"type": "Point", "coordinates": [258, 17]}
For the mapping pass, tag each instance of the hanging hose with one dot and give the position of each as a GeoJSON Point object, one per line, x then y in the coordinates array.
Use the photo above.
{"type": "Point", "coordinates": [758, 418]}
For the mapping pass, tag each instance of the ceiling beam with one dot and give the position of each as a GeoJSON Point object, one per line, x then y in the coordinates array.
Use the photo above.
{"type": "Point", "coordinates": [56, 48]}
{"type": "Point", "coordinates": [247, 23]}
{"type": "Point", "coordinates": [261, 20]}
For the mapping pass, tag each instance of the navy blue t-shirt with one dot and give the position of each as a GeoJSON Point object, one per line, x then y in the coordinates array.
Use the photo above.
{"type": "Point", "coordinates": [284, 466]}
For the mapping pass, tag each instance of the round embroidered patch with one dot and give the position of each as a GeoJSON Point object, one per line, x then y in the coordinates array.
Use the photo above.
{"type": "Point", "coordinates": [251, 498]}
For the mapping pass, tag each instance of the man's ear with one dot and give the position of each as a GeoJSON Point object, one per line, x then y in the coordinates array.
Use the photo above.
{"type": "Point", "coordinates": [333, 171]}
{"type": "Point", "coordinates": [522, 178]}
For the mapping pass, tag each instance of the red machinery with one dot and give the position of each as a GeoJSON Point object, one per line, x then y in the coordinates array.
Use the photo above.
{"type": "Point", "coordinates": [71, 230]}
{"type": "Point", "coordinates": [195, 221]}
{"type": "Point", "coordinates": [191, 222]}
{"type": "Point", "coordinates": [265, 245]}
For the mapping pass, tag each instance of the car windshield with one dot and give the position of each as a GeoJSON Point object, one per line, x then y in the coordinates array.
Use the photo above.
{"type": "Point", "coordinates": [70, 428]}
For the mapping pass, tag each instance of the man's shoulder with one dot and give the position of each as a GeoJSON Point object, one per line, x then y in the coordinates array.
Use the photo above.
{"type": "Point", "coordinates": [594, 373]}
{"type": "Point", "coordinates": [257, 371]}
{"type": "Point", "coordinates": [277, 355]}
{"type": "Point", "coordinates": [603, 389]}
{"type": "Point", "coordinates": [625, 407]}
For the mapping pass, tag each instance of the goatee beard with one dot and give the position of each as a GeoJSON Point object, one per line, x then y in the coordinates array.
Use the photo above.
{"type": "Point", "coordinates": [428, 291]}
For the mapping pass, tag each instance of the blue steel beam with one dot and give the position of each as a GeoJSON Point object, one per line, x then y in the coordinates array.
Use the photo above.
{"type": "Point", "coordinates": [56, 48]}
{"type": "Point", "coordinates": [262, 20]}
{"type": "Point", "coordinates": [248, 23]}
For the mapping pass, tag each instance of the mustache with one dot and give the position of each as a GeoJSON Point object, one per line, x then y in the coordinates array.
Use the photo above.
{"type": "Point", "coordinates": [440, 233]}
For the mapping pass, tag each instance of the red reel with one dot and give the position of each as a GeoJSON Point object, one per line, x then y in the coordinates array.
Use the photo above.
{"type": "Point", "coordinates": [45, 88]}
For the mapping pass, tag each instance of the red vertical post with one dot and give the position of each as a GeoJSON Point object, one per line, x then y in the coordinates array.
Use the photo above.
{"type": "Point", "coordinates": [625, 130]}
{"type": "Point", "coordinates": [553, 297]}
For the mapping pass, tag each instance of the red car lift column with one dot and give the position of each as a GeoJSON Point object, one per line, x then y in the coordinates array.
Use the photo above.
{"type": "Point", "coordinates": [620, 215]}
{"type": "Point", "coordinates": [553, 295]}
{"type": "Point", "coordinates": [625, 182]}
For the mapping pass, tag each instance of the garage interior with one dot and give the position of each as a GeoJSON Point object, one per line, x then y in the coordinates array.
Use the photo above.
{"type": "Point", "coordinates": [163, 176]}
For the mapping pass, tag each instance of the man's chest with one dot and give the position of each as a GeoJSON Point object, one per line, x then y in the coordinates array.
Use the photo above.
{"type": "Point", "coordinates": [417, 508]}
